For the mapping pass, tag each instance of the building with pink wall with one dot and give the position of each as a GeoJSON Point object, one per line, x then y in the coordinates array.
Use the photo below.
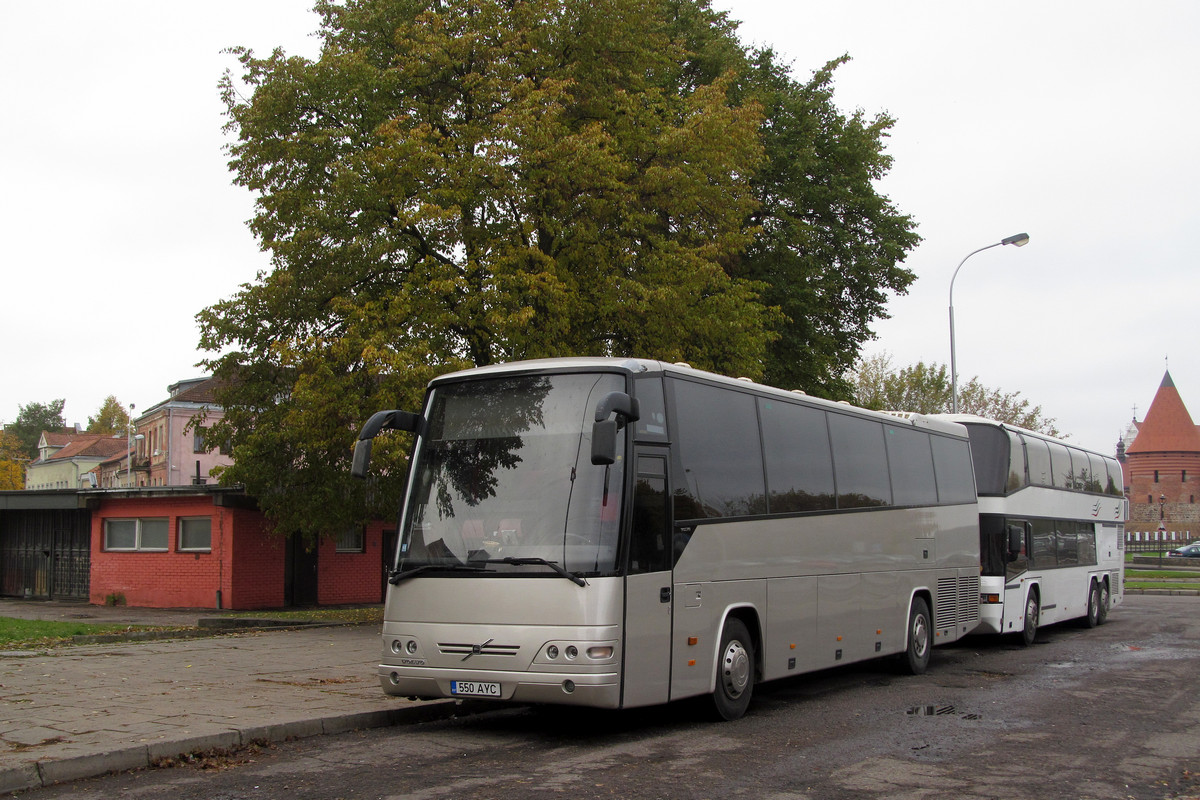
{"type": "Point", "coordinates": [170, 447]}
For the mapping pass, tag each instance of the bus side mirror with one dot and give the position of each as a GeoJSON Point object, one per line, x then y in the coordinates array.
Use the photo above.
{"type": "Point", "coordinates": [604, 430]}
{"type": "Point", "coordinates": [604, 442]}
{"type": "Point", "coordinates": [1016, 538]}
{"type": "Point", "coordinates": [379, 421]}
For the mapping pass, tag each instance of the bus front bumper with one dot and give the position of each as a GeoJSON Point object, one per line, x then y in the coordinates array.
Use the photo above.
{"type": "Point", "coordinates": [595, 689]}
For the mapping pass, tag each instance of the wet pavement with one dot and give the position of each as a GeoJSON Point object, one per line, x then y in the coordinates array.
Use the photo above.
{"type": "Point", "coordinates": [81, 710]}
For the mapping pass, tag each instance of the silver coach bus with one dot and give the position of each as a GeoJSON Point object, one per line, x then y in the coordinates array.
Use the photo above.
{"type": "Point", "coordinates": [621, 533]}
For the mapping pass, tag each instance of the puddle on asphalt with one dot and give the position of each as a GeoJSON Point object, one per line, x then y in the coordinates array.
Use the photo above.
{"type": "Point", "coordinates": [940, 711]}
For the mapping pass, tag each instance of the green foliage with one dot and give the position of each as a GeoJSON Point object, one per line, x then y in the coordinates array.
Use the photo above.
{"type": "Point", "coordinates": [830, 246]}
{"type": "Point", "coordinates": [925, 389]}
{"type": "Point", "coordinates": [465, 182]}
{"type": "Point", "coordinates": [110, 418]}
{"type": "Point", "coordinates": [31, 420]}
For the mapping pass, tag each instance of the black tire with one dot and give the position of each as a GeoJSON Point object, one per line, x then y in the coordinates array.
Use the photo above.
{"type": "Point", "coordinates": [735, 671]}
{"type": "Point", "coordinates": [1105, 600]}
{"type": "Point", "coordinates": [919, 647]}
{"type": "Point", "coordinates": [1033, 614]}
{"type": "Point", "coordinates": [1092, 619]}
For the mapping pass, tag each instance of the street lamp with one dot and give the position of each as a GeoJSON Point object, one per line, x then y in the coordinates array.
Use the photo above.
{"type": "Point", "coordinates": [1019, 240]}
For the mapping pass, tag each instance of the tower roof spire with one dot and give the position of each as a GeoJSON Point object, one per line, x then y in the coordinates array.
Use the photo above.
{"type": "Point", "coordinates": [1168, 427]}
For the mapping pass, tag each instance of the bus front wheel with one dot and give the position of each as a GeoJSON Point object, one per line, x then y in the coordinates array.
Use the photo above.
{"type": "Point", "coordinates": [1033, 613]}
{"type": "Point", "coordinates": [920, 638]}
{"type": "Point", "coordinates": [735, 671]}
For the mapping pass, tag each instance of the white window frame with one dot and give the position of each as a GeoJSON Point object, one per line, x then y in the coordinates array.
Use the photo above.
{"type": "Point", "coordinates": [138, 546]}
{"type": "Point", "coordinates": [345, 542]}
{"type": "Point", "coordinates": [179, 525]}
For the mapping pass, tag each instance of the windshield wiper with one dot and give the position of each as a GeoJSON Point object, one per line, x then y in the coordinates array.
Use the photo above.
{"type": "Point", "coordinates": [395, 576]}
{"type": "Point", "coordinates": [571, 576]}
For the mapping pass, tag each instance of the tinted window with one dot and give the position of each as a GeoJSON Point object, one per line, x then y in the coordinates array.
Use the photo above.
{"type": "Point", "coordinates": [1087, 544]}
{"type": "Point", "coordinates": [952, 464]}
{"type": "Point", "coordinates": [990, 455]}
{"type": "Point", "coordinates": [799, 465]}
{"type": "Point", "coordinates": [1068, 543]}
{"type": "Point", "coordinates": [653, 422]}
{"type": "Point", "coordinates": [1097, 477]}
{"type": "Point", "coordinates": [1060, 465]}
{"type": "Point", "coordinates": [1116, 481]}
{"type": "Point", "coordinates": [859, 461]}
{"type": "Point", "coordinates": [910, 463]}
{"type": "Point", "coordinates": [719, 451]}
{"type": "Point", "coordinates": [1037, 455]}
{"type": "Point", "coordinates": [1045, 544]}
{"type": "Point", "coordinates": [1081, 468]}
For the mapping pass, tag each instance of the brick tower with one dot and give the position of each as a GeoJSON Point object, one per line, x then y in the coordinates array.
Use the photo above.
{"type": "Point", "coordinates": [1162, 468]}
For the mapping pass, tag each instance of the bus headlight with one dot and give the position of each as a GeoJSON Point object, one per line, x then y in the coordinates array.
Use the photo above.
{"type": "Point", "coordinates": [552, 651]}
{"type": "Point", "coordinates": [600, 653]}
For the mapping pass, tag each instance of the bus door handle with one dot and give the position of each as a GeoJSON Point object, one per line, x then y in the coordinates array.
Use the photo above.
{"type": "Point", "coordinates": [664, 594]}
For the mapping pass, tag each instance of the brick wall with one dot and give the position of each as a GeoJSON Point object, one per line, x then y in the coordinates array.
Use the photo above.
{"type": "Point", "coordinates": [1154, 476]}
{"type": "Point", "coordinates": [258, 559]}
{"type": "Point", "coordinates": [348, 578]}
{"type": "Point", "coordinates": [170, 579]}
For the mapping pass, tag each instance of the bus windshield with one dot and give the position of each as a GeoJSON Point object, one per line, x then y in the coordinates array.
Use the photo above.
{"type": "Point", "coordinates": [503, 479]}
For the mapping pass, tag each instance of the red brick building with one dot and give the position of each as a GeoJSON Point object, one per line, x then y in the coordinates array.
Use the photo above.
{"type": "Point", "coordinates": [178, 547]}
{"type": "Point", "coordinates": [1162, 470]}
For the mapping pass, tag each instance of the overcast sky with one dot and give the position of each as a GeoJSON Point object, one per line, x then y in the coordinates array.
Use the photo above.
{"type": "Point", "coordinates": [1073, 121]}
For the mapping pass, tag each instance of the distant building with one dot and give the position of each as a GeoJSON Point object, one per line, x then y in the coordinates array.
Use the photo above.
{"type": "Point", "coordinates": [171, 445]}
{"type": "Point", "coordinates": [65, 459]}
{"type": "Point", "coordinates": [1161, 460]}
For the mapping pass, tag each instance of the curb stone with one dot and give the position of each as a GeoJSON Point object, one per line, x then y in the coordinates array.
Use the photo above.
{"type": "Point", "coordinates": [45, 773]}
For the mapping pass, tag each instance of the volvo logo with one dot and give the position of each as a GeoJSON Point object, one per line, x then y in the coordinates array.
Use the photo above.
{"type": "Point", "coordinates": [476, 649]}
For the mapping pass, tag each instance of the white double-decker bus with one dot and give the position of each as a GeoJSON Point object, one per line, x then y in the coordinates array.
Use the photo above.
{"type": "Point", "coordinates": [1051, 529]}
{"type": "Point", "coordinates": [621, 533]}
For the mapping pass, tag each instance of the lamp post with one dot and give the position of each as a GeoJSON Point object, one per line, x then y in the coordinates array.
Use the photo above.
{"type": "Point", "coordinates": [131, 439]}
{"type": "Point", "coordinates": [1019, 240]}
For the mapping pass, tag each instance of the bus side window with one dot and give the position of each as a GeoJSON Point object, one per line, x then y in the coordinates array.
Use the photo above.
{"type": "Point", "coordinates": [650, 543]}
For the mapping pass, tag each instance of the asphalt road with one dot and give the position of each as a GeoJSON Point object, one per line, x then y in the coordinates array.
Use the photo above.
{"type": "Point", "coordinates": [1107, 713]}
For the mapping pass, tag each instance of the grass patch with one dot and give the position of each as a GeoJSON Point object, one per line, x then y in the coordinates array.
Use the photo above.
{"type": "Point", "coordinates": [1160, 574]}
{"type": "Point", "coordinates": [17, 634]}
{"type": "Point", "coordinates": [368, 615]}
{"type": "Point", "coordinates": [1160, 585]}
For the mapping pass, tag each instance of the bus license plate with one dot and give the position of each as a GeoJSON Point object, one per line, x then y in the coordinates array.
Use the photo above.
{"type": "Point", "coordinates": [475, 688]}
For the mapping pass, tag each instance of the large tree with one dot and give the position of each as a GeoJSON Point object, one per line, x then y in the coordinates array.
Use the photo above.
{"type": "Point", "coordinates": [12, 462]}
{"type": "Point", "coordinates": [458, 182]}
{"type": "Point", "coordinates": [925, 389]}
{"type": "Point", "coordinates": [110, 418]}
{"type": "Point", "coordinates": [31, 420]}
{"type": "Point", "coordinates": [830, 245]}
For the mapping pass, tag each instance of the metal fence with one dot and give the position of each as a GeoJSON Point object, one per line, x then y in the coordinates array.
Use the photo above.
{"type": "Point", "coordinates": [1157, 541]}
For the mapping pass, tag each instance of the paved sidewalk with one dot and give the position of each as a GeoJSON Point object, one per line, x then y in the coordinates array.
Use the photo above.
{"type": "Point", "coordinates": [83, 710]}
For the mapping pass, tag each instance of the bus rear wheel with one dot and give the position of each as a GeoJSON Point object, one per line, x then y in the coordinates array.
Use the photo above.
{"type": "Point", "coordinates": [1033, 613]}
{"type": "Point", "coordinates": [920, 638]}
{"type": "Point", "coordinates": [735, 671]}
{"type": "Point", "coordinates": [1093, 607]}
{"type": "Point", "coordinates": [1105, 601]}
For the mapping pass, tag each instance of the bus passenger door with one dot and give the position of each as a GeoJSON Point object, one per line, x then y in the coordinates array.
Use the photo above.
{"type": "Point", "coordinates": [646, 676]}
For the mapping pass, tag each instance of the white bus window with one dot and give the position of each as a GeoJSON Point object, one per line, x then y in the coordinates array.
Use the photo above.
{"type": "Point", "coordinates": [1037, 454]}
